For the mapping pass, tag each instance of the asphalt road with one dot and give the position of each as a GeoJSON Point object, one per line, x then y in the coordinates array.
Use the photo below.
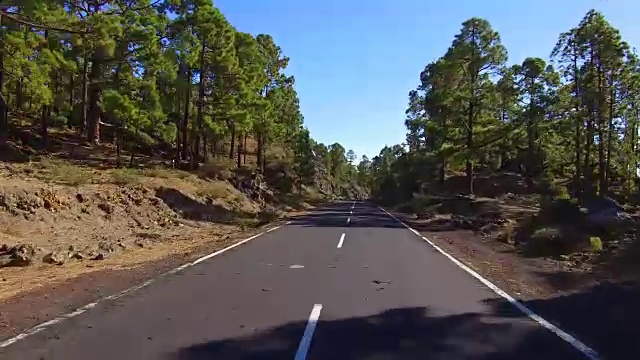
{"type": "Point", "coordinates": [318, 288]}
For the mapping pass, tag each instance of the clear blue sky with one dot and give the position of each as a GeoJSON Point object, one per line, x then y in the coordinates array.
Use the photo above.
{"type": "Point", "coordinates": [356, 60]}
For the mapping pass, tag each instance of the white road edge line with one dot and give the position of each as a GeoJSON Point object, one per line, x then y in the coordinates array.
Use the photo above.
{"type": "Point", "coordinates": [305, 343]}
{"type": "Point", "coordinates": [40, 327]}
{"type": "Point", "coordinates": [577, 344]}
{"type": "Point", "coordinates": [341, 240]}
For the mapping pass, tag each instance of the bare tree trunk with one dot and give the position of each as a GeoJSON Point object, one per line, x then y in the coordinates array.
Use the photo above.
{"type": "Point", "coordinates": [579, 124]}
{"type": "Point", "coordinates": [605, 189]}
{"type": "Point", "coordinates": [239, 152]}
{"type": "Point", "coordinates": [469, 162]}
{"type": "Point", "coordinates": [602, 173]}
{"type": "Point", "coordinates": [200, 103]}
{"type": "Point", "coordinates": [233, 140]}
{"type": "Point", "coordinates": [4, 121]}
{"type": "Point", "coordinates": [46, 111]}
{"type": "Point", "coordinates": [185, 119]}
{"type": "Point", "coordinates": [264, 153]}
{"type": "Point", "coordinates": [85, 89]}
{"type": "Point", "coordinates": [205, 148]}
{"type": "Point", "coordinates": [244, 150]}
{"type": "Point", "coordinates": [471, 115]}
{"type": "Point", "coordinates": [72, 100]}
{"type": "Point", "coordinates": [259, 152]}
{"type": "Point", "coordinates": [93, 116]}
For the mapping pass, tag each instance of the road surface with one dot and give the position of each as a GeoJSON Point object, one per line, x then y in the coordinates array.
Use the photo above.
{"type": "Point", "coordinates": [342, 283]}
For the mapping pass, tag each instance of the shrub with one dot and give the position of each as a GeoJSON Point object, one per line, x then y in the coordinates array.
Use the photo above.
{"type": "Point", "coordinates": [549, 241]}
{"type": "Point", "coordinates": [421, 202]}
{"type": "Point", "coordinates": [595, 243]}
{"type": "Point", "coordinates": [545, 241]}
{"type": "Point", "coordinates": [562, 211]}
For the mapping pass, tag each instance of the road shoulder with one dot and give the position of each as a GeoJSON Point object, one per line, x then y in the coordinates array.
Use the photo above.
{"type": "Point", "coordinates": [50, 300]}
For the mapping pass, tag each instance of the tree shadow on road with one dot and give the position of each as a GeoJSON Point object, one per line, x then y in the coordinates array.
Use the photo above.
{"type": "Point", "coordinates": [336, 215]}
{"type": "Point", "coordinates": [403, 333]}
{"type": "Point", "coordinates": [603, 316]}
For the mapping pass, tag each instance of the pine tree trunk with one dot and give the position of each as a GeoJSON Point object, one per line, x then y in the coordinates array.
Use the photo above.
{"type": "Point", "coordinates": [633, 168]}
{"type": "Point", "coordinates": [56, 90]}
{"type": "Point", "coordinates": [185, 119]}
{"type": "Point", "coordinates": [579, 124]}
{"type": "Point", "coordinates": [178, 154]}
{"type": "Point", "coordinates": [244, 150]}
{"type": "Point", "coordinates": [472, 83]}
{"type": "Point", "coordinates": [201, 88]}
{"type": "Point", "coordinates": [119, 140]}
{"type": "Point", "coordinates": [72, 100]}
{"type": "Point", "coordinates": [4, 121]}
{"type": "Point", "coordinates": [205, 148]}
{"type": "Point", "coordinates": [602, 174]}
{"type": "Point", "coordinates": [469, 163]}
{"type": "Point", "coordinates": [590, 131]}
{"type": "Point", "coordinates": [264, 152]}
{"type": "Point", "coordinates": [19, 95]}
{"type": "Point", "coordinates": [605, 187]}
{"type": "Point", "coordinates": [233, 141]}
{"type": "Point", "coordinates": [588, 170]}
{"type": "Point", "coordinates": [259, 152]}
{"type": "Point", "coordinates": [469, 142]}
{"type": "Point", "coordinates": [443, 158]}
{"type": "Point", "coordinates": [85, 91]}
{"type": "Point", "coordinates": [530, 139]}
{"type": "Point", "coordinates": [46, 111]}
{"type": "Point", "coordinates": [93, 117]}
{"type": "Point", "coordinates": [239, 152]}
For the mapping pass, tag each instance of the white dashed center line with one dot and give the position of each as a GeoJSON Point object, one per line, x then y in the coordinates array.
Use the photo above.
{"type": "Point", "coordinates": [305, 343]}
{"type": "Point", "coordinates": [341, 241]}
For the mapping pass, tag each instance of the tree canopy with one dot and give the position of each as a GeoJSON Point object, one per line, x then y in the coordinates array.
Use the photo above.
{"type": "Point", "coordinates": [572, 117]}
{"type": "Point", "coordinates": [173, 75]}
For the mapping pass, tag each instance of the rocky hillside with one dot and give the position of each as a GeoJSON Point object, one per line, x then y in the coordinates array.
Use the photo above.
{"type": "Point", "coordinates": [61, 212]}
{"type": "Point", "coordinates": [52, 210]}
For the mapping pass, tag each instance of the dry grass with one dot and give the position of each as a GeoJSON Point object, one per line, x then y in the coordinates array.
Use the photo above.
{"type": "Point", "coordinates": [163, 173]}
{"type": "Point", "coordinates": [217, 168]}
{"type": "Point", "coordinates": [59, 172]}
{"type": "Point", "coordinates": [214, 190]}
{"type": "Point", "coordinates": [126, 177]}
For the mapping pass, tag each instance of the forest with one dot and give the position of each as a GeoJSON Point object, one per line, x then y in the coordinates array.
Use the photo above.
{"type": "Point", "coordinates": [567, 124]}
{"type": "Point", "coordinates": [537, 159]}
{"type": "Point", "coordinates": [164, 78]}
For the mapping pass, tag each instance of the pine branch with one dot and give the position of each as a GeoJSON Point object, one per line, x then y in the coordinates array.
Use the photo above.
{"type": "Point", "coordinates": [21, 19]}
